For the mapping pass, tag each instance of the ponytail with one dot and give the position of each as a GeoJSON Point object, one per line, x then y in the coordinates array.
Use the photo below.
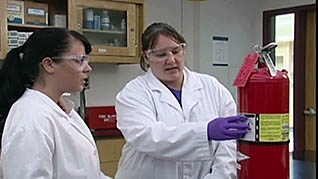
{"type": "Point", "coordinates": [12, 83]}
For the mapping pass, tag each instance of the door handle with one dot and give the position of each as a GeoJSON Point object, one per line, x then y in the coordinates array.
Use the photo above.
{"type": "Point", "coordinates": [309, 112]}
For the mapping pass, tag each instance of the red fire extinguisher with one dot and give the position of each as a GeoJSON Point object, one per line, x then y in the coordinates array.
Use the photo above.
{"type": "Point", "coordinates": [263, 95]}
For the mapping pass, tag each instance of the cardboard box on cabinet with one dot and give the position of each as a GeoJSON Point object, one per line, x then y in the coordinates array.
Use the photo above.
{"type": "Point", "coordinates": [15, 12]}
{"type": "Point", "coordinates": [35, 13]}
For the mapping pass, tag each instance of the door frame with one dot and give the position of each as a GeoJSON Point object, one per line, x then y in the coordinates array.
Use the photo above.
{"type": "Point", "coordinates": [300, 12]}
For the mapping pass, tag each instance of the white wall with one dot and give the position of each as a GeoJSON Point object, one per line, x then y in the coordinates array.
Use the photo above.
{"type": "Point", "coordinates": [106, 80]}
{"type": "Point", "coordinates": [241, 21]}
{"type": "Point", "coordinates": [229, 18]}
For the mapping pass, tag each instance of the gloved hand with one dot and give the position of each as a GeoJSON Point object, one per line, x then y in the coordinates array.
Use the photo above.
{"type": "Point", "coordinates": [225, 128]}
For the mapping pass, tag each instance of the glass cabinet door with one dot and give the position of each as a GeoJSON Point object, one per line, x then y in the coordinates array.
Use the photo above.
{"type": "Point", "coordinates": [109, 26]}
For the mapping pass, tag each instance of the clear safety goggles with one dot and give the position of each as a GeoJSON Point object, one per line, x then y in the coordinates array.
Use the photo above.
{"type": "Point", "coordinates": [163, 54]}
{"type": "Point", "coordinates": [78, 62]}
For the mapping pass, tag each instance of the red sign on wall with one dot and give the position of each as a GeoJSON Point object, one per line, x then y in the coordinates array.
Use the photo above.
{"type": "Point", "coordinates": [102, 119]}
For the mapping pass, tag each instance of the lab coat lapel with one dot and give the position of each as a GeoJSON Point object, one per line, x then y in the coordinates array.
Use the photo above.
{"type": "Point", "coordinates": [59, 113]}
{"type": "Point", "coordinates": [81, 129]}
{"type": "Point", "coordinates": [166, 95]}
{"type": "Point", "coordinates": [190, 92]}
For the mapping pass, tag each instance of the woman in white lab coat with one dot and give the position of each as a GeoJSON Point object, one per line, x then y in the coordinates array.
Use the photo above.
{"type": "Point", "coordinates": [40, 138]}
{"type": "Point", "coordinates": [177, 123]}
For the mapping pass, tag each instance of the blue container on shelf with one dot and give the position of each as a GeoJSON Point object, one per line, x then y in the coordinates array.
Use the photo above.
{"type": "Point", "coordinates": [97, 22]}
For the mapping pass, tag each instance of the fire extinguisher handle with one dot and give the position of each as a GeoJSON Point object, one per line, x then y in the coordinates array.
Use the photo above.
{"type": "Point", "coordinates": [264, 55]}
{"type": "Point", "coordinates": [269, 63]}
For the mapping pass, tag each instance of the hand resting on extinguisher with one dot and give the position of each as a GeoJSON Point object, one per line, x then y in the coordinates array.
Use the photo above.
{"type": "Point", "coordinates": [226, 128]}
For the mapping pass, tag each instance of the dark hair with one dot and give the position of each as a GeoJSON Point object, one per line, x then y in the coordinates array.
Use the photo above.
{"type": "Point", "coordinates": [150, 36]}
{"type": "Point", "coordinates": [21, 65]}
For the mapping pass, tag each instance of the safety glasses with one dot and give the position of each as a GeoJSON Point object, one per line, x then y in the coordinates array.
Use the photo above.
{"type": "Point", "coordinates": [163, 54]}
{"type": "Point", "coordinates": [79, 62]}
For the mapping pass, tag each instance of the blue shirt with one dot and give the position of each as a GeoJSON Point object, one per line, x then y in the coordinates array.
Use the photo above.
{"type": "Point", "coordinates": [177, 94]}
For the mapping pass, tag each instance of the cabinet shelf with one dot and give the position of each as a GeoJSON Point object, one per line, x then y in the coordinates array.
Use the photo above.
{"type": "Point", "coordinates": [27, 25]}
{"type": "Point", "coordinates": [104, 31]}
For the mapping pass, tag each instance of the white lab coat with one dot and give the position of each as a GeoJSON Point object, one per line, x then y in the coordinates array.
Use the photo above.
{"type": "Point", "coordinates": [40, 141]}
{"type": "Point", "coordinates": [165, 141]}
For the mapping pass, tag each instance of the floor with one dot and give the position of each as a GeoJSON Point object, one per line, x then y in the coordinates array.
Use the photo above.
{"type": "Point", "coordinates": [300, 169]}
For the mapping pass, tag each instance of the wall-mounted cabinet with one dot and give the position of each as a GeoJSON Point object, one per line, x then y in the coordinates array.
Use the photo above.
{"type": "Point", "coordinates": [113, 27]}
{"type": "Point", "coordinates": [20, 18]}
{"type": "Point", "coordinates": [3, 28]}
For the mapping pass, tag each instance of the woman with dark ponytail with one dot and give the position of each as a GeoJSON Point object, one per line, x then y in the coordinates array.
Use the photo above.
{"type": "Point", "coordinates": [41, 135]}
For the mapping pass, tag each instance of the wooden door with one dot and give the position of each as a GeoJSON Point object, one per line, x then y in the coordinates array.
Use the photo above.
{"type": "Point", "coordinates": [304, 75]}
{"type": "Point", "coordinates": [310, 87]}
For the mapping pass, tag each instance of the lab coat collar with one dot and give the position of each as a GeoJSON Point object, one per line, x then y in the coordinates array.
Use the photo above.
{"type": "Point", "coordinates": [189, 81]}
{"type": "Point", "coordinates": [165, 95]}
{"type": "Point", "coordinates": [190, 87]}
{"type": "Point", "coordinates": [190, 91]}
{"type": "Point", "coordinates": [47, 100]}
{"type": "Point", "coordinates": [58, 111]}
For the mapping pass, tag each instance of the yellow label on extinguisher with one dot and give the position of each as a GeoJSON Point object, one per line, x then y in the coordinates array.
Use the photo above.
{"type": "Point", "coordinates": [273, 127]}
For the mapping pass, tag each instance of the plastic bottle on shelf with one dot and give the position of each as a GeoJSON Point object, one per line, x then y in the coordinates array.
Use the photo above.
{"type": "Point", "coordinates": [89, 20]}
{"type": "Point", "coordinates": [123, 25]}
{"type": "Point", "coordinates": [105, 20]}
{"type": "Point", "coordinates": [116, 42]}
{"type": "Point", "coordinates": [97, 22]}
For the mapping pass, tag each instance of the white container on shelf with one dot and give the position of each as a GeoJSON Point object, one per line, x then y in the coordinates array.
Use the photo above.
{"type": "Point", "coordinates": [89, 19]}
{"type": "Point", "coordinates": [105, 21]}
{"type": "Point", "coordinates": [58, 20]}
{"type": "Point", "coordinates": [123, 25]}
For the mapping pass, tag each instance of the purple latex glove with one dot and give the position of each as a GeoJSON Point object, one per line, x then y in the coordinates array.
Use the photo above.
{"type": "Point", "coordinates": [225, 128]}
